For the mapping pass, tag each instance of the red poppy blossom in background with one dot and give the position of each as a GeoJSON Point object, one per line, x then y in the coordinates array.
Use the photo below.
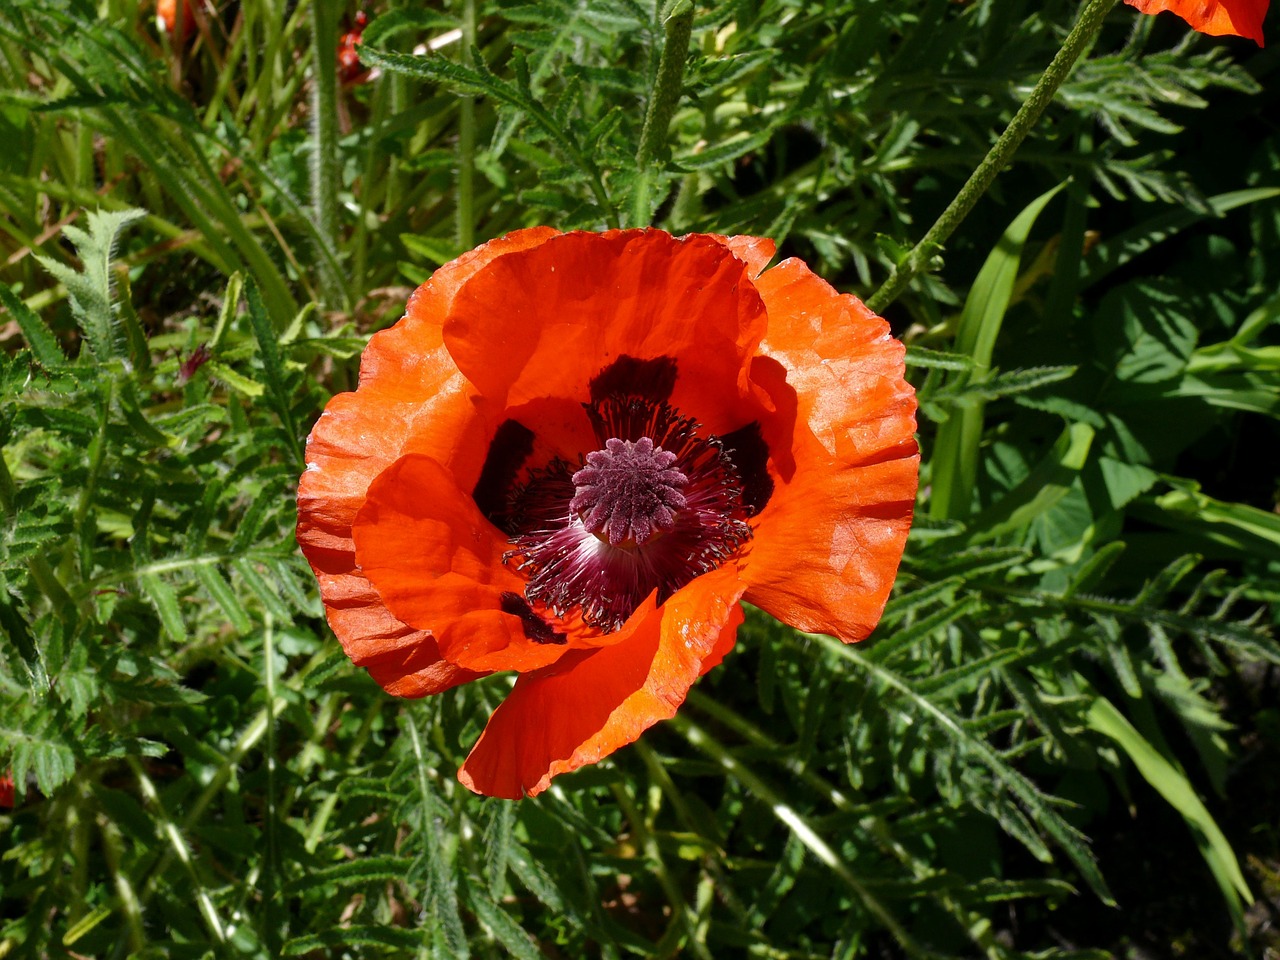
{"type": "Point", "coordinates": [1239, 18]}
{"type": "Point", "coordinates": [577, 453]}
{"type": "Point", "coordinates": [179, 22]}
{"type": "Point", "coordinates": [350, 70]}
{"type": "Point", "coordinates": [6, 791]}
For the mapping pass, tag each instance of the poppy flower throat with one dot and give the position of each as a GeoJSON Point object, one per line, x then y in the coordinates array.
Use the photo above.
{"type": "Point", "coordinates": [656, 505]}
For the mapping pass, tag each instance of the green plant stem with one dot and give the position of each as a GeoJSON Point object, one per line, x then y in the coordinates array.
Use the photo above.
{"type": "Point", "coordinates": [324, 133]}
{"type": "Point", "coordinates": [204, 901]}
{"type": "Point", "coordinates": [467, 140]}
{"type": "Point", "coordinates": [667, 85]}
{"type": "Point", "coordinates": [797, 824]}
{"type": "Point", "coordinates": [113, 852]}
{"type": "Point", "coordinates": [270, 891]}
{"type": "Point", "coordinates": [1078, 40]}
{"type": "Point", "coordinates": [681, 915]}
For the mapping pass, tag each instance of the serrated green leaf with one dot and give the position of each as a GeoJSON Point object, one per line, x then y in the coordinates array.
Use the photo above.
{"type": "Point", "coordinates": [353, 936]}
{"type": "Point", "coordinates": [503, 929]}
{"type": "Point", "coordinates": [363, 871]}
{"type": "Point", "coordinates": [44, 345]}
{"type": "Point", "coordinates": [721, 153]}
{"type": "Point", "coordinates": [90, 289]}
{"type": "Point", "coordinates": [245, 386]}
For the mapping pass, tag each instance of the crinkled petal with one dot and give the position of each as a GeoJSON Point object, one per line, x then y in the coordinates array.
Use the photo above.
{"type": "Point", "coordinates": [755, 252]}
{"type": "Point", "coordinates": [350, 444]}
{"type": "Point", "coordinates": [593, 702]}
{"type": "Point", "coordinates": [544, 321]}
{"type": "Point", "coordinates": [436, 562]}
{"type": "Point", "coordinates": [1240, 18]}
{"type": "Point", "coordinates": [843, 458]}
{"type": "Point", "coordinates": [399, 361]}
{"type": "Point", "coordinates": [412, 399]}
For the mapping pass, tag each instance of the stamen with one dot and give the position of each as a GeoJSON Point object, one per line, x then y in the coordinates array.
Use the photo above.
{"type": "Point", "coordinates": [654, 508]}
{"type": "Point", "coordinates": [629, 491]}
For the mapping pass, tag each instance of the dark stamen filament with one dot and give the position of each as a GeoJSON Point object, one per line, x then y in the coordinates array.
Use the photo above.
{"type": "Point", "coordinates": [653, 508]}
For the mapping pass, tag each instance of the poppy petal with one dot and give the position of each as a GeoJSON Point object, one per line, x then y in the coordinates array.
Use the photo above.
{"type": "Point", "coordinates": [349, 445]}
{"type": "Point", "coordinates": [1240, 18]}
{"type": "Point", "coordinates": [543, 322]}
{"type": "Point", "coordinates": [436, 562]}
{"type": "Point", "coordinates": [844, 460]}
{"type": "Point", "coordinates": [411, 398]}
{"type": "Point", "coordinates": [399, 361]}
{"type": "Point", "coordinates": [593, 702]}
{"type": "Point", "coordinates": [755, 252]}
{"type": "Point", "coordinates": [403, 661]}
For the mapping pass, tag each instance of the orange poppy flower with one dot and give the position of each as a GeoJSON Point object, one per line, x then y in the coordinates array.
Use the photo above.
{"type": "Point", "coordinates": [1239, 18]}
{"type": "Point", "coordinates": [577, 453]}
{"type": "Point", "coordinates": [350, 70]}
{"type": "Point", "coordinates": [179, 24]}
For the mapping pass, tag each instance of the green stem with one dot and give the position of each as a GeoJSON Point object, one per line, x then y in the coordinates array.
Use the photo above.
{"type": "Point", "coordinates": [178, 844]}
{"type": "Point", "coordinates": [1081, 37]}
{"type": "Point", "coordinates": [668, 84]}
{"type": "Point", "coordinates": [113, 853]}
{"type": "Point", "coordinates": [8, 489]}
{"type": "Point", "coordinates": [467, 140]}
{"type": "Point", "coordinates": [324, 133]}
{"type": "Point", "coordinates": [681, 915]}
{"type": "Point", "coordinates": [271, 869]}
{"type": "Point", "coordinates": [798, 825]}
{"type": "Point", "coordinates": [249, 738]}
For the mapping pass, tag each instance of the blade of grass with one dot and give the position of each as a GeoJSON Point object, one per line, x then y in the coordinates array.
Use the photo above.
{"type": "Point", "coordinates": [1172, 784]}
{"type": "Point", "coordinates": [955, 455]}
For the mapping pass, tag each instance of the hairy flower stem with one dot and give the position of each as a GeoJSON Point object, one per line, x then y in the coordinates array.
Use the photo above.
{"type": "Point", "coordinates": [666, 87]}
{"type": "Point", "coordinates": [271, 868]}
{"type": "Point", "coordinates": [324, 138]}
{"type": "Point", "coordinates": [467, 140]}
{"type": "Point", "coordinates": [1078, 40]}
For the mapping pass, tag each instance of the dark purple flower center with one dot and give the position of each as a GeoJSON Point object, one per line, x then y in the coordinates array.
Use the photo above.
{"type": "Point", "coordinates": [656, 506]}
{"type": "Point", "coordinates": [629, 491]}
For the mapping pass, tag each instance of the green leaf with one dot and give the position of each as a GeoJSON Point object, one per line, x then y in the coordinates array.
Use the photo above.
{"type": "Point", "coordinates": [436, 250]}
{"type": "Point", "coordinates": [1046, 484]}
{"type": "Point", "coordinates": [362, 871]}
{"type": "Point", "coordinates": [1125, 481]}
{"type": "Point", "coordinates": [218, 588]}
{"type": "Point", "coordinates": [85, 925]}
{"type": "Point", "coordinates": [269, 351]}
{"type": "Point", "coordinates": [884, 650]}
{"type": "Point", "coordinates": [1173, 785]}
{"type": "Point", "coordinates": [1109, 256]}
{"type": "Point", "coordinates": [723, 152]}
{"type": "Point", "coordinates": [44, 345]}
{"type": "Point", "coordinates": [499, 924]}
{"type": "Point", "coordinates": [90, 290]}
{"type": "Point", "coordinates": [918, 356]}
{"type": "Point", "coordinates": [1149, 328]}
{"type": "Point", "coordinates": [381, 935]}
{"type": "Point", "coordinates": [955, 456]}
{"type": "Point", "coordinates": [1236, 526]}
{"type": "Point", "coordinates": [238, 382]}
{"type": "Point", "coordinates": [1070, 840]}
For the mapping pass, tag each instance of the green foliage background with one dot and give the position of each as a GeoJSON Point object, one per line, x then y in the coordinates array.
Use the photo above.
{"type": "Point", "coordinates": [1070, 702]}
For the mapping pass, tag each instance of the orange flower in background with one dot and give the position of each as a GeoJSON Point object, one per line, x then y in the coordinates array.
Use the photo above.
{"type": "Point", "coordinates": [179, 22]}
{"type": "Point", "coordinates": [350, 70]}
{"type": "Point", "coordinates": [1239, 18]}
{"type": "Point", "coordinates": [577, 453]}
